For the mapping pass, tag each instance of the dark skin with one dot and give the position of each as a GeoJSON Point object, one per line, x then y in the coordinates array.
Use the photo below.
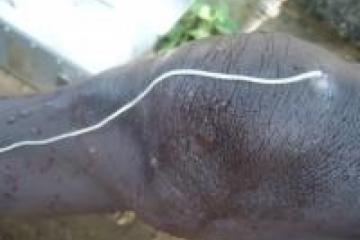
{"type": "Point", "coordinates": [200, 159]}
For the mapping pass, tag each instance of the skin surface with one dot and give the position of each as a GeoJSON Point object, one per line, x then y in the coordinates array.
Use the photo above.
{"type": "Point", "coordinates": [198, 158]}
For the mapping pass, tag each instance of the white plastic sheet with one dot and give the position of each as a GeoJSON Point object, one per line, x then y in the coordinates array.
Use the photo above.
{"type": "Point", "coordinates": [94, 34]}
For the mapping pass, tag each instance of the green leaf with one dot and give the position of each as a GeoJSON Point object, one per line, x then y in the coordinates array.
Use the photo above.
{"type": "Point", "coordinates": [205, 12]}
{"type": "Point", "coordinates": [201, 21]}
{"type": "Point", "coordinates": [200, 33]}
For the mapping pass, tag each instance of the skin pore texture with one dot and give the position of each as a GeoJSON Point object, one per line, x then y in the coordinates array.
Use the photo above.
{"type": "Point", "coordinates": [197, 158]}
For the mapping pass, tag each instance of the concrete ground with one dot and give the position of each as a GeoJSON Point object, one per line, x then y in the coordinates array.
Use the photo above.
{"type": "Point", "coordinates": [10, 86]}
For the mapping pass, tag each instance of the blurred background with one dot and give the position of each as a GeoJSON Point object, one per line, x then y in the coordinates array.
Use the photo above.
{"type": "Point", "coordinates": [45, 44]}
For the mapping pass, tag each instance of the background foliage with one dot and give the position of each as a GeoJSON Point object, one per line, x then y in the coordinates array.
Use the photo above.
{"type": "Point", "coordinates": [201, 21]}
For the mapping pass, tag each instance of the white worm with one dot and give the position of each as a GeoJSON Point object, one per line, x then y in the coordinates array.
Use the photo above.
{"type": "Point", "coordinates": [150, 87]}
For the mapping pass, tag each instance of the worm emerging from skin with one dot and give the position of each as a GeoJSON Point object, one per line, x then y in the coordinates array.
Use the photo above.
{"type": "Point", "coordinates": [156, 81]}
{"type": "Point", "coordinates": [210, 154]}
